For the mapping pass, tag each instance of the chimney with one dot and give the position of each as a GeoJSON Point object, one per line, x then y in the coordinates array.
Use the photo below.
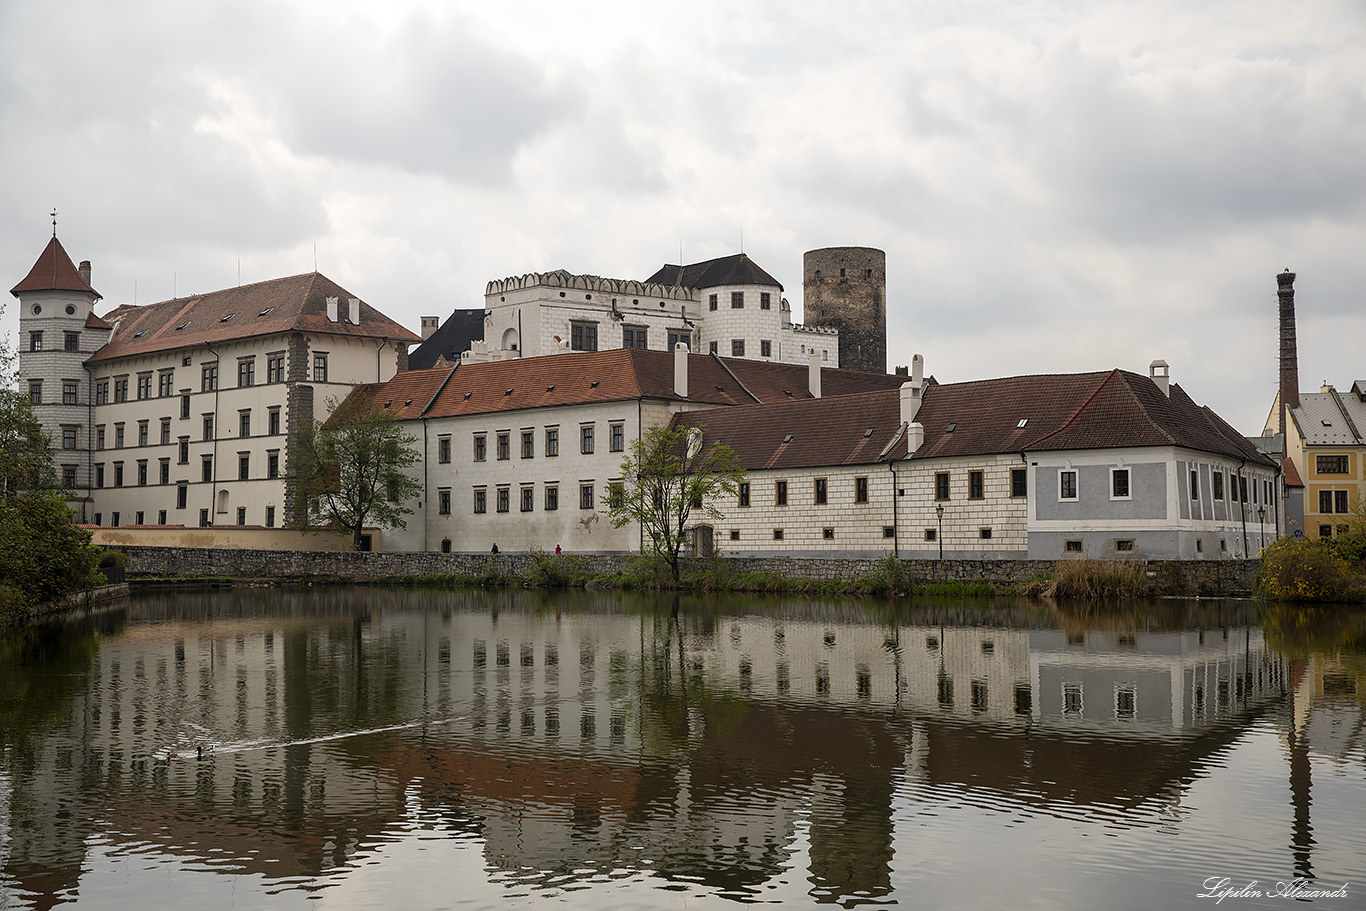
{"type": "Point", "coordinates": [331, 309]}
{"type": "Point", "coordinates": [1160, 373]}
{"type": "Point", "coordinates": [813, 374]}
{"type": "Point", "coordinates": [915, 438]}
{"type": "Point", "coordinates": [429, 324]}
{"type": "Point", "coordinates": [1290, 368]}
{"type": "Point", "coordinates": [681, 369]}
{"type": "Point", "coordinates": [85, 271]}
{"type": "Point", "coordinates": [353, 311]}
{"type": "Point", "coordinates": [903, 371]}
{"type": "Point", "coordinates": [912, 390]}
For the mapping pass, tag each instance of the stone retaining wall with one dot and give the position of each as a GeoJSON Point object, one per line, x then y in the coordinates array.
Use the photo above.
{"type": "Point", "coordinates": [1206, 577]}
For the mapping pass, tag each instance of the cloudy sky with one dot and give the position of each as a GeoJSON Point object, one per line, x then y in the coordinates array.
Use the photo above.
{"type": "Point", "coordinates": [1058, 186]}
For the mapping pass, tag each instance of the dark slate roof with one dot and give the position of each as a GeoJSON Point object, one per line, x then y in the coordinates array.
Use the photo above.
{"type": "Point", "coordinates": [737, 269]}
{"type": "Point", "coordinates": [54, 271]}
{"type": "Point", "coordinates": [294, 304]}
{"type": "Point", "coordinates": [448, 341]}
{"type": "Point", "coordinates": [1060, 412]}
{"type": "Point", "coordinates": [605, 376]}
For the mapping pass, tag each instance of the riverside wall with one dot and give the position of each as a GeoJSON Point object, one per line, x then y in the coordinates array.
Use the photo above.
{"type": "Point", "coordinates": [1203, 577]}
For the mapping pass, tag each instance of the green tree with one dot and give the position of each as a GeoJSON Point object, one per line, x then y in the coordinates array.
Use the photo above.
{"type": "Point", "coordinates": [667, 478]}
{"type": "Point", "coordinates": [43, 554]}
{"type": "Point", "coordinates": [351, 470]}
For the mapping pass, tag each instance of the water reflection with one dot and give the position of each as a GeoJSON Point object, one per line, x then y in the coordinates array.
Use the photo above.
{"type": "Point", "coordinates": [742, 750]}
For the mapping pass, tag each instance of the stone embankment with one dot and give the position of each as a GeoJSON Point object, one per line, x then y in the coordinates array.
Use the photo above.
{"type": "Point", "coordinates": [1212, 578]}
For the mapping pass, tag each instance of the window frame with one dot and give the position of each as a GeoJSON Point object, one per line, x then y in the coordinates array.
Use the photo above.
{"type": "Point", "coordinates": [1068, 487]}
{"type": "Point", "coordinates": [1019, 483]}
{"type": "Point", "coordinates": [977, 484]}
{"type": "Point", "coordinates": [942, 489]}
{"type": "Point", "coordinates": [1115, 475]}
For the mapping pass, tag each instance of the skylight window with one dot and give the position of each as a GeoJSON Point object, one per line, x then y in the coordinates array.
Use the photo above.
{"type": "Point", "coordinates": [951, 428]}
{"type": "Point", "coordinates": [182, 325]}
{"type": "Point", "coordinates": [228, 317]}
{"type": "Point", "coordinates": [266, 312]}
{"type": "Point", "coordinates": [868, 432]}
{"type": "Point", "coordinates": [1327, 423]}
{"type": "Point", "coordinates": [788, 438]}
{"type": "Point", "coordinates": [1023, 421]}
{"type": "Point", "coordinates": [140, 333]}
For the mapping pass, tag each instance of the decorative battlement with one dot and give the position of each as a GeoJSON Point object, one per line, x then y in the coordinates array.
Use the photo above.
{"type": "Point", "coordinates": [561, 279]}
{"type": "Point", "coordinates": [814, 330]}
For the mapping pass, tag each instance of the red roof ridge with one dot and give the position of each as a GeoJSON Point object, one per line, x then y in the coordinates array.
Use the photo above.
{"type": "Point", "coordinates": [1077, 412]}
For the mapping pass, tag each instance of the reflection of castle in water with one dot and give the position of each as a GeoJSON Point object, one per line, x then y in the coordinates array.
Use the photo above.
{"type": "Point", "coordinates": [603, 738]}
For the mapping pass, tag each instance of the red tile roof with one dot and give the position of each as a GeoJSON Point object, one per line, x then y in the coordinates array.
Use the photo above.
{"type": "Point", "coordinates": [1059, 412]}
{"type": "Point", "coordinates": [1292, 474]}
{"type": "Point", "coordinates": [54, 271]}
{"type": "Point", "coordinates": [294, 304]}
{"type": "Point", "coordinates": [605, 376]}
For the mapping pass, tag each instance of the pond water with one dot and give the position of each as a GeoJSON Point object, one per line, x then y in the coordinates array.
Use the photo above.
{"type": "Point", "coordinates": [362, 747]}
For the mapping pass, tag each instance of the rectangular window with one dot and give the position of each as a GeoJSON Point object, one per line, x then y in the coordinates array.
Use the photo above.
{"type": "Point", "coordinates": [585, 496]}
{"type": "Point", "coordinates": [244, 423]}
{"type": "Point", "coordinates": [1242, 488]}
{"type": "Point", "coordinates": [182, 495]}
{"type": "Point", "coordinates": [676, 337]}
{"type": "Point", "coordinates": [779, 493]}
{"type": "Point", "coordinates": [161, 517]}
{"type": "Point", "coordinates": [634, 338]}
{"type": "Point", "coordinates": [1072, 547]}
{"type": "Point", "coordinates": [976, 486]}
{"type": "Point", "coordinates": [1218, 481]}
{"type": "Point", "coordinates": [184, 407]}
{"type": "Point", "coordinates": [118, 474]}
{"type": "Point", "coordinates": [586, 439]}
{"type": "Point", "coordinates": [72, 341]}
{"type": "Point", "coordinates": [320, 368]}
{"type": "Point", "coordinates": [443, 450]}
{"type": "Point", "coordinates": [552, 442]}
{"type": "Point", "coordinates": [443, 502]}
{"type": "Point", "coordinates": [737, 347]}
{"type": "Point", "coordinates": [744, 493]}
{"type": "Point", "coordinates": [737, 300]}
{"type": "Point", "coordinates": [246, 371]}
{"type": "Point", "coordinates": [166, 384]}
{"type": "Point", "coordinates": [711, 305]}
{"type": "Point", "coordinates": [208, 427]}
{"type": "Point", "coordinates": [528, 499]}
{"type": "Point", "coordinates": [99, 477]}
{"type": "Point", "coordinates": [828, 534]}
{"type": "Point", "coordinates": [1124, 544]}
{"type": "Point", "coordinates": [583, 336]}
{"type": "Point", "coordinates": [164, 472]}
{"type": "Point", "coordinates": [270, 517]}
{"type": "Point", "coordinates": [1195, 484]}
{"type": "Point", "coordinates": [504, 446]}
{"type": "Point", "coordinates": [504, 499]}
{"type": "Point", "coordinates": [777, 534]}
{"type": "Point", "coordinates": [102, 392]}
{"type": "Point", "coordinates": [273, 463]}
{"type": "Point", "coordinates": [275, 368]}
{"type": "Point", "coordinates": [618, 437]}
{"type": "Point", "coordinates": [984, 534]}
{"type": "Point", "coordinates": [273, 422]}
{"type": "Point", "coordinates": [1119, 483]}
{"type": "Point", "coordinates": [208, 379]}
{"type": "Point", "coordinates": [1330, 464]}
{"type": "Point", "coordinates": [203, 518]}
{"type": "Point", "coordinates": [941, 485]}
{"type": "Point", "coordinates": [206, 469]}
{"type": "Point", "coordinates": [1019, 482]}
{"type": "Point", "coordinates": [35, 340]}
{"type": "Point", "coordinates": [165, 431]}
{"type": "Point", "coordinates": [241, 515]}
{"type": "Point", "coordinates": [121, 389]}
{"type": "Point", "coordinates": [711, 347]}
{"type": "Point", "coordinates": [118, 436]}
{"type": "Point", "coordinates": [69, 393]}
{"type": "Point", "coordinates": [821, 492]}
{"type": "Point", "coordinates": [243, 466]}
{"type": "Point", "coordinates": [765, 300]}
{"type": "Point", "coordinates": [765, 348]}
{"type": "Point", "coordinates": [860, 490]}
{"type": "Point", "coordinates": [142, 433]}
{"type": "Point", "coordinates": [480, 501]}
{"type": "Point", "coordinates": [1339, 500]}
{"type": "Point", "coordinates": [528, 444]}
{"type": "Point", "coordinates": [99, 437]}
{"type": "Point", "coordinates": [144, 386]}
{"type": "Point", "coordinates": [1067, 485]}
{"type": "Point", "coordinates": [69, 437]}
{"type": "Point", "coordinates": [480, 447]}
{"type": "Point", "coordinates": [35, 392]}
{"type": "Point", "coordinates": [142, 475]}
{"type": "Point", "coordinates": [889, 531]}
{"type": "Point", "coordinates": [552, 497]}
{"type": "Point", "coordinates": [184, 451]}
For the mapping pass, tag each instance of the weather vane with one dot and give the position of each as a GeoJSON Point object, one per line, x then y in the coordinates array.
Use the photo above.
{"type": "Point", "coordinates": [54, 221]}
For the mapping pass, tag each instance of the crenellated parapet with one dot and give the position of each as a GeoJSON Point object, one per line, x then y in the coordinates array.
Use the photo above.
{"type": "Point", "coordinates": [593, 284]}
{"type": "Point", "coordinates": [814, 330]}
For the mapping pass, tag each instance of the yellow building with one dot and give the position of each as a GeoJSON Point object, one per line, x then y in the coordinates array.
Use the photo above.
{"type": "Point", "coordinates": [1325, 442]}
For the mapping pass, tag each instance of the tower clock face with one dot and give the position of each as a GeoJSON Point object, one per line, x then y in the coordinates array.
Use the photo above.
{"type": "Point", "coordinates": [37, 309]}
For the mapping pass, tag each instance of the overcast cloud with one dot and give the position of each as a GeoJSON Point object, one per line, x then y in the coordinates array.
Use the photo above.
{"type": "Point", "coordinates": [1058, 187]}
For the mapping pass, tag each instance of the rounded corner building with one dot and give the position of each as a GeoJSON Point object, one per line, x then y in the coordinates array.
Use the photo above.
{"type": "Point", "coordinates": [846, 288]}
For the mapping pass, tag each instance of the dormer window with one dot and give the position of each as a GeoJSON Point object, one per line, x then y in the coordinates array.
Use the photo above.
{"type": "Point", "coordinates": [266, 312]}
{"type": "Point", "coordinates": [182, 325]}
{"type": "Point", "coordinates": [228, 317]}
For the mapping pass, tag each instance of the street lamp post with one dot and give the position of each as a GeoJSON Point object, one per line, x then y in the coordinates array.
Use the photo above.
{"type": "Point", "coordinates": [939, 511]}
{"type": "Point", "coordinates": [1261, 527]}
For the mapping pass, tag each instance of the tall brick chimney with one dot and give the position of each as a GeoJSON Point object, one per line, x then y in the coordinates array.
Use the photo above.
{"type": "Point", "coordinates": [1290, 371]}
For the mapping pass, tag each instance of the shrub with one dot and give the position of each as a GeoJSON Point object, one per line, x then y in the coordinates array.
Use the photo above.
{"type": "Point", "coordinates": [1096, 579]}
{"type": "Point", "coordinates": [1295, 569]}
{"type": "Point", "coordinates": [890, 577]}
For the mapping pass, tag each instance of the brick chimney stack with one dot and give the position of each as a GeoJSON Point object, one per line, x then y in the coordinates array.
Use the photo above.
{"type": "Point", "coordinates": [1290, 371]}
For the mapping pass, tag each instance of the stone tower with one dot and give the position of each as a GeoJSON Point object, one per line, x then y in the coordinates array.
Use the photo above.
{"type": "Point", "coordinates": [846, 288]}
